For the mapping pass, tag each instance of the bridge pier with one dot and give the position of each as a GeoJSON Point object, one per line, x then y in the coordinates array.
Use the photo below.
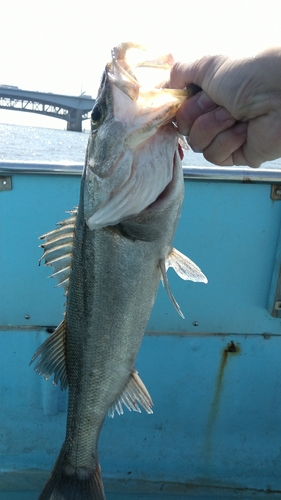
{"type": "Point", "coordinates": [74, 120]}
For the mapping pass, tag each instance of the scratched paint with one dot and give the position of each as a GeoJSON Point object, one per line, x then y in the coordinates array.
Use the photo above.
{"type": "Point", "coordinates": [230, 350]}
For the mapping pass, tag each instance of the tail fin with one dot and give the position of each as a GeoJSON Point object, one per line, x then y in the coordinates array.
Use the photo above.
{"type": "Point", "coordinates": [79, 485]}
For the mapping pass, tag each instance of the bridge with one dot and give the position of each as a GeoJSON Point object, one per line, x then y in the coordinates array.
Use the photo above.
{"type": "Point", "coordinates": [72, 109]}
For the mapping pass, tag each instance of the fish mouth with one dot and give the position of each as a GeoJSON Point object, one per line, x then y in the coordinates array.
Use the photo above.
{"type": "Point", "coordinates": [144, 167]}
{"type": "Point", "coordinates": [139, 75]}
{"type": "Point", "coordinates": [133, 67]}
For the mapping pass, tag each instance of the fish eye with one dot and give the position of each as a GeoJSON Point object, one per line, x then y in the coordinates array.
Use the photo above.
{"type": "Point", "coordinates": [97, 115]}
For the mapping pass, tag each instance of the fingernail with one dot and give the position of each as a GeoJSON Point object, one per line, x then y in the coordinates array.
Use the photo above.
{"type": "Point", "coordinates": [241, 128]}
{"type": "Point", "coordinates": [205, 102]}
{"type": "Point", "coordinates": [222, 115]}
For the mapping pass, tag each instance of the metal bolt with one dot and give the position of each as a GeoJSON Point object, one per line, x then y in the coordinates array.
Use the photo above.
{"type": "Point", "coordinates": [195, 323]}
{"type": "Point", "coordinates": [275, 192]}
{"type": "Point", "coordinates": [5, 183]}
{"type": "Point", "coordinates": [27, 316]}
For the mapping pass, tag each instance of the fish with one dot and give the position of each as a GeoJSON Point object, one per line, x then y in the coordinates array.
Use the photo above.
{"type": "Point", "coordinates": [109, 255]}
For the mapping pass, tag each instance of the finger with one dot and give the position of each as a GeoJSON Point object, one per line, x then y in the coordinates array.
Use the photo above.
{"type": "Point", "coordinates": [200, 72]}
{"type": "Point", "coordinates": [239, 158]}
{"type": "Point", "coordinates": [191, 109]}
{"type": "Point", "coordinates": [207, 126]}
{"type": "Point", "coordinates": [180, 76]}
{"type": "Point", "coordinates": [227, 147]}
{"type": "Point", "coordinates": [264, 139]}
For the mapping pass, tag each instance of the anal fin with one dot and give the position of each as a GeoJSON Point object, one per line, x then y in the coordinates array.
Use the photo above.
{"type": "Point", "coordinates": [135, 392]}
{"type": "Point", "coordinates": [53, 357]}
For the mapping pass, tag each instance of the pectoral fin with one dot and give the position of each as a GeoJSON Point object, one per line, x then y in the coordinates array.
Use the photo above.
{"type": "Point", "coordinates": [135, 392]}
{"type": "Point", "coordinates": [167, 286]}
{"type": "Point", "coordinates": [184, 267]}
{"type": "Point", "coordinates": [53, 358]}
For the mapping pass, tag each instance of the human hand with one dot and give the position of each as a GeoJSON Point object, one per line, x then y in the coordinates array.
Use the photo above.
{"type": "Point", "coordinates": [236, 118]}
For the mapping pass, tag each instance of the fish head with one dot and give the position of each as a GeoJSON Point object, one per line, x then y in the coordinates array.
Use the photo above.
{"type": "Point", "coordinates": [133, 142]}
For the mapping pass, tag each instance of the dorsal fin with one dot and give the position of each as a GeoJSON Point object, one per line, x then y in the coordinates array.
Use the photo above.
{"type": "Point", "coordinates": [58, 249]}
{"type": "Point", "coordinates": [61, 239]}
{"type": "Point", "coordinates": [53, 356]}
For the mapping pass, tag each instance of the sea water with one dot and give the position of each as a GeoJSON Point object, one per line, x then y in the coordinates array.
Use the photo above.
{"type": "Point", "coordinates": [23, 143]}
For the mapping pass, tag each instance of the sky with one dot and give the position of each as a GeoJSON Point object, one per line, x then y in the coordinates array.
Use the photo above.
{"type": "Point", "coordinates": [62, 46]}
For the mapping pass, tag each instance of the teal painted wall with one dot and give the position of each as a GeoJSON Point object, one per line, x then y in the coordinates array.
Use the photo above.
{"type": "Point", "coordinates": [216, 386]}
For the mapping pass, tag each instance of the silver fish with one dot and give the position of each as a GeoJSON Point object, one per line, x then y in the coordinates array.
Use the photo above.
{"type": "Point", "coordinates": [110, 255]}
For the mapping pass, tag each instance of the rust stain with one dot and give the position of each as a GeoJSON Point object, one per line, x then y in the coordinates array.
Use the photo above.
{"type": "Point", "coordinates": [230, 350]}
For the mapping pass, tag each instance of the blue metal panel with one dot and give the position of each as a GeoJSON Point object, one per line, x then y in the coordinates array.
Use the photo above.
{"type": "Point", "coordinates": [274, 298]}
{"type": "Point", "coordinates": [233, 240]}
{"type": "Point", "coordinates": [216, 421]}
{"type": "Point", "coordinates": [33, 207]}
{"type": "Point", "coordinates": [231, 231]}
{"type": "Point", "coordinates": [214, 377]}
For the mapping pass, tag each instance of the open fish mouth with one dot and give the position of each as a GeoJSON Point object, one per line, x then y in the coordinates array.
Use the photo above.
{"type": "Point", "coordinates": [136, 144]}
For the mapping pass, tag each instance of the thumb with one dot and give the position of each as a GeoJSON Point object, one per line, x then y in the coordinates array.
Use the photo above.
{"type": "Point", "coordinates": [202, 72]}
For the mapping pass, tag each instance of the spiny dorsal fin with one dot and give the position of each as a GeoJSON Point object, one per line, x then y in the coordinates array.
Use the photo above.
{"type": "Point", "coordinates": [184, 267]}
{"type": "Point", "coordinates": [57, 232]}
{"type": "Point", "coordinates": [58, 249]}
{"type": "Point", "coordinates": [59, 240]}
{"type": "Point", "coordinates": [53, 356]}
{"type": "Point", "coordinates": [135, 392]}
